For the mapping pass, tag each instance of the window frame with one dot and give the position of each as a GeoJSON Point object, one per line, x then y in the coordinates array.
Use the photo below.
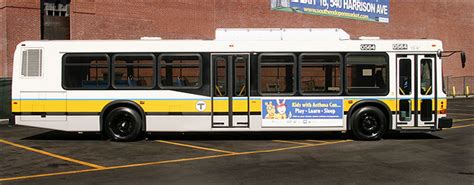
{"type": "Point", "coordinates": [63, 70]}
{"type": "Point", "coordinates": [387, 63]}
{"type": "Point", "coordinates": [259, 73]}
{"type": "Point", "coordinates": [341, 72]}
{"type": "Point", "coordinates": [161, 86]}
{"type": "Point", "coordinates": [113, 65]}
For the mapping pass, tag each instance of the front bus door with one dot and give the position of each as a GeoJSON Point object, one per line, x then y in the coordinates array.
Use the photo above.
{"type": "Point", "coordinates": [230, 98]}
{"type": "Point", "coordinates": [416, 92]}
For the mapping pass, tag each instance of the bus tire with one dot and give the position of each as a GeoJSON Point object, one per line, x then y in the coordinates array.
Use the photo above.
{"type": "Point", "coordinates": [123, 124]}
{"type": "Point", "coordinates": [368, 123]}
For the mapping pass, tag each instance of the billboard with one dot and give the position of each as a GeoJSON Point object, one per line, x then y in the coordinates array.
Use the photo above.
{"type": "Point", "coordinates": [367, 10]}
{"type": "Point", "coordinates": [291, 112]}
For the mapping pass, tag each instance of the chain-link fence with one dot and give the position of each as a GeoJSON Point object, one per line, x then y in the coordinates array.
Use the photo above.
{"type": "Point", "coordinates": [5, 97]}
{"type": "Point", "coordinates": [459, 86]}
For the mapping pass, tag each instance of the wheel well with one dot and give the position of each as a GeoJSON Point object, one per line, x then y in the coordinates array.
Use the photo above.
{"type": "Point", "coordinates": [129, 104]}
{"type": "Point", "coordinates": [375, 103]}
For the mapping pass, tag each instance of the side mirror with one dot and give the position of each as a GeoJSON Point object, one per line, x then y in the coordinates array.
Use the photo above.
{"type": "Point", "coordinates": [463, 59]}
{"type": "Point", "coordinates": [439, 53]}
{"type": "Point", "coordinates": [449, 53]}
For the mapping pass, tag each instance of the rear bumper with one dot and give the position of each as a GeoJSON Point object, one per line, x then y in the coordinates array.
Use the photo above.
{"type": "Point", "coordinates": [445, 122]}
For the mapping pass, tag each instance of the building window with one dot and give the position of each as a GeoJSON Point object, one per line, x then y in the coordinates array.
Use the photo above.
{"type": "Point", "coordinates": [180, 71]}
{"type": "Point", "coordinates": [277, 73]}
{"type": "Point", "coordinates": [56, 8]}
{"type": "Point", "coordinates": [85, 71]}
{"type": "Point", "coordinates": [366, 74]}
{"type": "Point", "coordinates": [320, 73]}
{"type": "Point", "coordinates": [55, 20]}
{"type": "Point", "coordinates": [134, 71]}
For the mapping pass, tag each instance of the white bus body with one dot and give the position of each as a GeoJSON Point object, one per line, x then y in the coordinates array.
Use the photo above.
{"type": "Point", "coordinates": [41, 69]}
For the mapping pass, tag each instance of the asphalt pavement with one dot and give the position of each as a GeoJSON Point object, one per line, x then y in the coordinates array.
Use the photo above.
{"type": "Point", "coordinates": [41, 156]}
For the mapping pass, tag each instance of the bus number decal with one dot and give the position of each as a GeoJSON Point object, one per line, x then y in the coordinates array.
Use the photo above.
{"type": "Point", "coordinates": [367, 47]}
{"type": "Point", "coordinates": [400, 46]}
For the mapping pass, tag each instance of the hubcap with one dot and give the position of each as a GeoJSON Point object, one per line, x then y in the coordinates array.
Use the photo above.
{"type": "Point", "coordinates": [369, 125]}
{"type": "Point", "coordinates": [122, 125]}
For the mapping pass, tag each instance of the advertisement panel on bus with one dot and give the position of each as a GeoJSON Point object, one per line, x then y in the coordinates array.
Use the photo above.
{"type": "Point", "coordinates": [290, 112]}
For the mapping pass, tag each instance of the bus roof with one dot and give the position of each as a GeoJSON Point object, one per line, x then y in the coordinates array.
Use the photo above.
{"type": "Point", "coordinates": [249, 40]}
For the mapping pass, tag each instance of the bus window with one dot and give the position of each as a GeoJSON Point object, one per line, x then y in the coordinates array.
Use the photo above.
{"type": "Point", "coordinates": [366, 74]}
{"type": "Point", "coordinates": [320, 73]}
{"type": "Point", "coordinates": [133, 71]}
{"type": "Point", "coordinates": [85, 71]}
{"type": "Point", "coordinates": [240, 76]}
{"type": "Point", "coordinates": [405, 77]}
{"type": "Point", "coordinates": [277, 73]}
{"type": "Point", "coordinates": [31, 62]}
{"type": "Point", "coordinates": [405, 110]}
{"type": "Point", "coordinates": [425, 84]}
{"type": "Point", "coordinates": [221, 77]}
{"type": "Point", "coordinates": [180, 71]}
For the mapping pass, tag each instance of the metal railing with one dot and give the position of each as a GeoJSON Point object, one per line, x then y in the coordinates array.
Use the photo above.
{"type": "Point", "coordinates": [461, 86]}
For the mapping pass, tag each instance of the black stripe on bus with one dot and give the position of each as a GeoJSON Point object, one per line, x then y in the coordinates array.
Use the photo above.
{"type": "Point", "coordinates": [346, 112]}
{"type": "Point", "coordinates": [154, 113]}
{"type": "Point", "coordinates": [98, 113]}
{"type": "Point", "coordinates": [412, 112]}
{"type": "Point", "coordinates": [177, 113]}
{"type": "Point", "coordinates": [57, 113]}
{"type": "Point", "coordinates": [237, 113]}
{"type": "Point", "coordinates": [227, 113]}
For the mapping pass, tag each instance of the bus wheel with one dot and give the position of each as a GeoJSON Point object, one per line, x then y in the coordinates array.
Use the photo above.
{"type": "Point", "coordinates": [368, 123]}
{"type": "Point", "coordinates": [123, 124]}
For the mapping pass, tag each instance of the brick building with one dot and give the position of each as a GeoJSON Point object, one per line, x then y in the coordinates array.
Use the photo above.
{"type": "Point", "coordinates": [448, 21]}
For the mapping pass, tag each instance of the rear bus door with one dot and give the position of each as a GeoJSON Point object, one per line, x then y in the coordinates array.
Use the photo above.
{"type": "Point", "coordinates": [230, 96]}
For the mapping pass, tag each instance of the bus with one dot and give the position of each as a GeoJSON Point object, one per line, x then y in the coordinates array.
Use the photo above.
{"type": "Point", "coordinates": [245, 80]}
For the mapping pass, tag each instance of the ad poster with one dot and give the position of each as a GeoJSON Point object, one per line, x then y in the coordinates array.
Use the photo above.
{"type": "Point", "coordinates": [289, 112]}
{"type": "Point", "coordinates": [366, 10]}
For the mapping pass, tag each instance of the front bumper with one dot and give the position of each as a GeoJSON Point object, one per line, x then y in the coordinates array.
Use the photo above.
{"type": "Point", "coordinates": [445, 122]}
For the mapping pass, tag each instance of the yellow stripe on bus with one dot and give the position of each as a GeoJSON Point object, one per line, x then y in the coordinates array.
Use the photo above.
{"type": "Point", "coordinates": [391, 104]}
{"type": "Point", "coordinates": [239, 105]}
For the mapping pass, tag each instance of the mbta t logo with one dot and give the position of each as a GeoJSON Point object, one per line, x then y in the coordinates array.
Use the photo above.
{"type": "Point", "coordinates": [201, 106]}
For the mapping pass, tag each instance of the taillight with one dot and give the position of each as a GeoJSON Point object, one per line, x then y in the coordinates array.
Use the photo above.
{"type": "Point", "coordinates": [443, 111]}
